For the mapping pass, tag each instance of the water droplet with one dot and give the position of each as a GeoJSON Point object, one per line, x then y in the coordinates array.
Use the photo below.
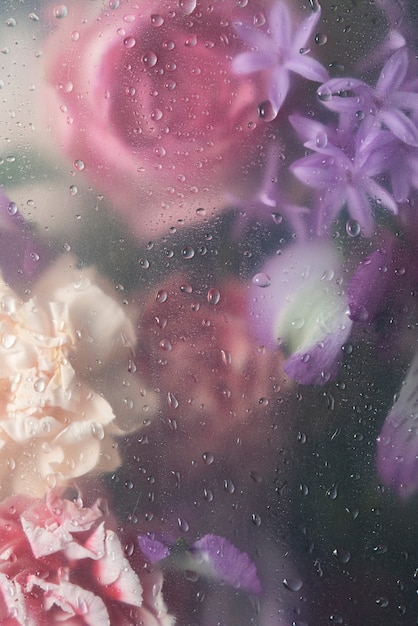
{"type": "Point", "coordinates": [229, 485]}
{"type": "Point", "coordinates": [321, 39]}
{"type": "Point", "coordinates": [266, 111]}
{"type": "Point", "coordinates": [256, 519]}
{"type": "Point", "coordinates": [149, 59]}
{"type": "Point", "coordinates": [144, 264]}
{"type": "Point", "coordinates": [12, 208]}
{"type": "Point", "coordinates": [277, 218]}
{"type": "Point", "coordinates": [79, 165]}
{"type": "Point", "coordinates": [321, 139]}
{"type": "Point", "coordinates": [73, 190]}
{"type": "Point", "coordinates": [8, 341]}
{"type": "Point", "coordinates": [97, 431]}
{"type": "Point", "coordinates": [208, 458]}
{"type": "Point", "coordinates": [208, 495]}
{"type": "Point", "coordinates": [162, 295]}
{"type": "Point", "coordinates": [183, 525]}
{"type": "Point", "coordinates": [157, 20]}
{"type": "Point", "coordinates": [188, 252]}
{"type": "Point", "coordinates": [352, 228]}
{"type": "Point", "coordinates": [332, 492]}
{"type": "Point", "coordinates": [324, 93]}
{"type": "Point", "coordinates": [292, 584]}
{"type": "Point", "coordinates": [262, 280]}
{"type": "Point", "coordinates": [60, 11]}
{"type": "Point", "coordinates": [214, 295]}
{"type": "Point", "coordinates": [201, 212]}
{"type": "Point", "coordinates": [11, 22]}
{"type": "Point", "coordinates": [328, 275]}
{"type": "Point", "coordinates": [172, 400]}
{"type": "Point", "coordinates": [39, 385]}
{"type": "Point", "coordinates": [187, 6]}
{"type": "Point", "coordinates": [342, 555]}
{"type": "Point", "coordinates": [129, 42]}
{"type": "Point", "coordinates": [226, 357]}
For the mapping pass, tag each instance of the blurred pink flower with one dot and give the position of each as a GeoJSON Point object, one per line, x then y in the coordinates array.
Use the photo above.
{"type": "Point", "coordinates": [59, 405]}
{"type": "Point", "coordinates": [146, 102]}
{"type": "Point", "coordinates": [60, 563]}
{"type": "Point", "coordinates": [196, 350]}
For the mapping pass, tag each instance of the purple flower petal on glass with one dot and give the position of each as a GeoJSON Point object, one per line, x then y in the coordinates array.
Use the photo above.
{"type": "Point", "coordinates": [401, 126]}
{"type": "Point", "coordinates": [320, 363]}
{"type": "Point", "coordinates": [307, 67]}
{"type": "Point", "coordinates": [152, 549]}
{"type": "Point", "coordinates": [227, 563]}
{"type": "Point", "coordinates": [367, 286]}
{"type": "Point", "coordinates": [397, 449]}
{"type": "Point", "coordinates": [393, 73]}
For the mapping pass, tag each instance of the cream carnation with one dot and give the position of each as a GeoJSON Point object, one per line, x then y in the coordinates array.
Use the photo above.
{"type": "Point", "coordinates": [59, 402]}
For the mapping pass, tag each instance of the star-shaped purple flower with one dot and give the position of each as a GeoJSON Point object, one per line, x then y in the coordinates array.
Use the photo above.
{"type": "Point", "coordinates": [387, 105]}
{"type": "Point", "coordinates": [343, 170]}
{"type": "Point", "coordinates": [283, 49]}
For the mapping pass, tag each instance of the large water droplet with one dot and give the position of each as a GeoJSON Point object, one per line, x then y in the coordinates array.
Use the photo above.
{"type": "Point", "coordinates": [187, 6]}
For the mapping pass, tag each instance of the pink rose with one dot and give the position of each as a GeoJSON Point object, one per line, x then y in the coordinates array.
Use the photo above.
{"type": "Point", "coordinates": [61, 564]}
{"type": "Point", "coordinates": [145, 102]}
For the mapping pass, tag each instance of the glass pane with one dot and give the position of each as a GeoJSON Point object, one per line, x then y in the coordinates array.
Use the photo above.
{"type": "Point", "coordinates": [208, 321]}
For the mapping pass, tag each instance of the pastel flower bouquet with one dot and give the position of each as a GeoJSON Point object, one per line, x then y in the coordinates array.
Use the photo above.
{"type": "Point", "coordinates": [208, 313]}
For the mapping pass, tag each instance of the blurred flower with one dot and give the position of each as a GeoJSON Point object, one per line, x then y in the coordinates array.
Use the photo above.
{"type": "Point", "coordinates": [60, 563]}
{"type": "Point", "coordinates": [344, 174]}
{"type": "Point", "coordinates": [196, 349]}
{"type": "Point", "coordinates": [211, 556]}
{"type": "Point", "coordinates": [302, 306]}
{"type": "Point", "coordinates": [281, 51]}
{"type": "Point", "coordinates": [55, 422]}
{"type": "Point", "coordinates": [388, 105]}
{"type": "Point", "coordinates": [397, 450]}
{"type": "Point", "coordinates": [146, 102]}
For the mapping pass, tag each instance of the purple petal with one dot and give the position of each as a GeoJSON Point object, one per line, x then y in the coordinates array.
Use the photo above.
{"type": "Point", "coordinates": [228, 563]}
{"type": "Point", "coordinates": [318, 171]}
{"type": "Point", "coordinates": [305, 30]}
{"type": "Point", "coordinates": [405, 100]}
{"type": "Point", "coordinates": [397, 450]}
{"type": "Point", "coordinates": [307, 67]}
{"type": "Point", "coordinates": [281, 25]}
{"type": "Point", "coordinates": [359, 208]}
{"type": "Point", "coordinates": [393, 73]}
{"type": "Point", "coordinates": [255, 38]}
{"type": "Point", "coordinates": [401, 126]}
{"type": "Point", "coordinates": [368, 285]}
{"type": "Point", "coordinates": [249, 62]}
{"type": "Point", "coordinates": [153, 550]}
{"type": "Point", "coordinates": [380, 194]}
{"type": "Point", "coordinates": [320, 363]}
{"type": "Point", "coordinates": [279, 87]}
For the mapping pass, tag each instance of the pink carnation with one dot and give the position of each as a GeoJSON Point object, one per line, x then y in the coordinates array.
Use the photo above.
{"type": "Point", "coordinates": [146, 102]}
{"type": "Point", "coordinates": [61, 564]}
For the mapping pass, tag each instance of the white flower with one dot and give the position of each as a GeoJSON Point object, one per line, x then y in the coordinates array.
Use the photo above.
{"type": "Point", "coordinates": [60, 402]}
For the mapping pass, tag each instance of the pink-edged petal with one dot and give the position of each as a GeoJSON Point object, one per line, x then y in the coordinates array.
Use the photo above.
{"type": "Point", "coordinates": [397, 449]}
{"type": "Point", "coordinates": [401, 126]}
{"type": "Point", "coordinates": [116, 575]}
{"type": "Point", "coordinates": [393, 73]}
{"type": "Point", "coordinates": [227, 563]}
{"type": "Point", "coordinates": [307, 67]}
{"type": "Point", "coordinates": [73, 600]}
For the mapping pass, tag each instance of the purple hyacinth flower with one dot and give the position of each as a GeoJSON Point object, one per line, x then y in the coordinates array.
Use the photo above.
{"type": "Point", "coordinates": [303, 307]}
{"type": "Point", "coordinates": [280, 51]}
{"type": "Point", "coordinates": [22, 255]}
{"type": "Point", "coordinates": [152, 549]}
{"type": "Point", "coordinates": [397, 449]}
{"type": "Point", "coordinates": [225, 562]}
{"type": "Point", "coordinates": [388, 105]}
{"type": "Point", "coordinates": [343, 173]}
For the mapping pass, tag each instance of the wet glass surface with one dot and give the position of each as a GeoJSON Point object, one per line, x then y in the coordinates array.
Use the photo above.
{"type": "Point", "coordinates": [208, 320]}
